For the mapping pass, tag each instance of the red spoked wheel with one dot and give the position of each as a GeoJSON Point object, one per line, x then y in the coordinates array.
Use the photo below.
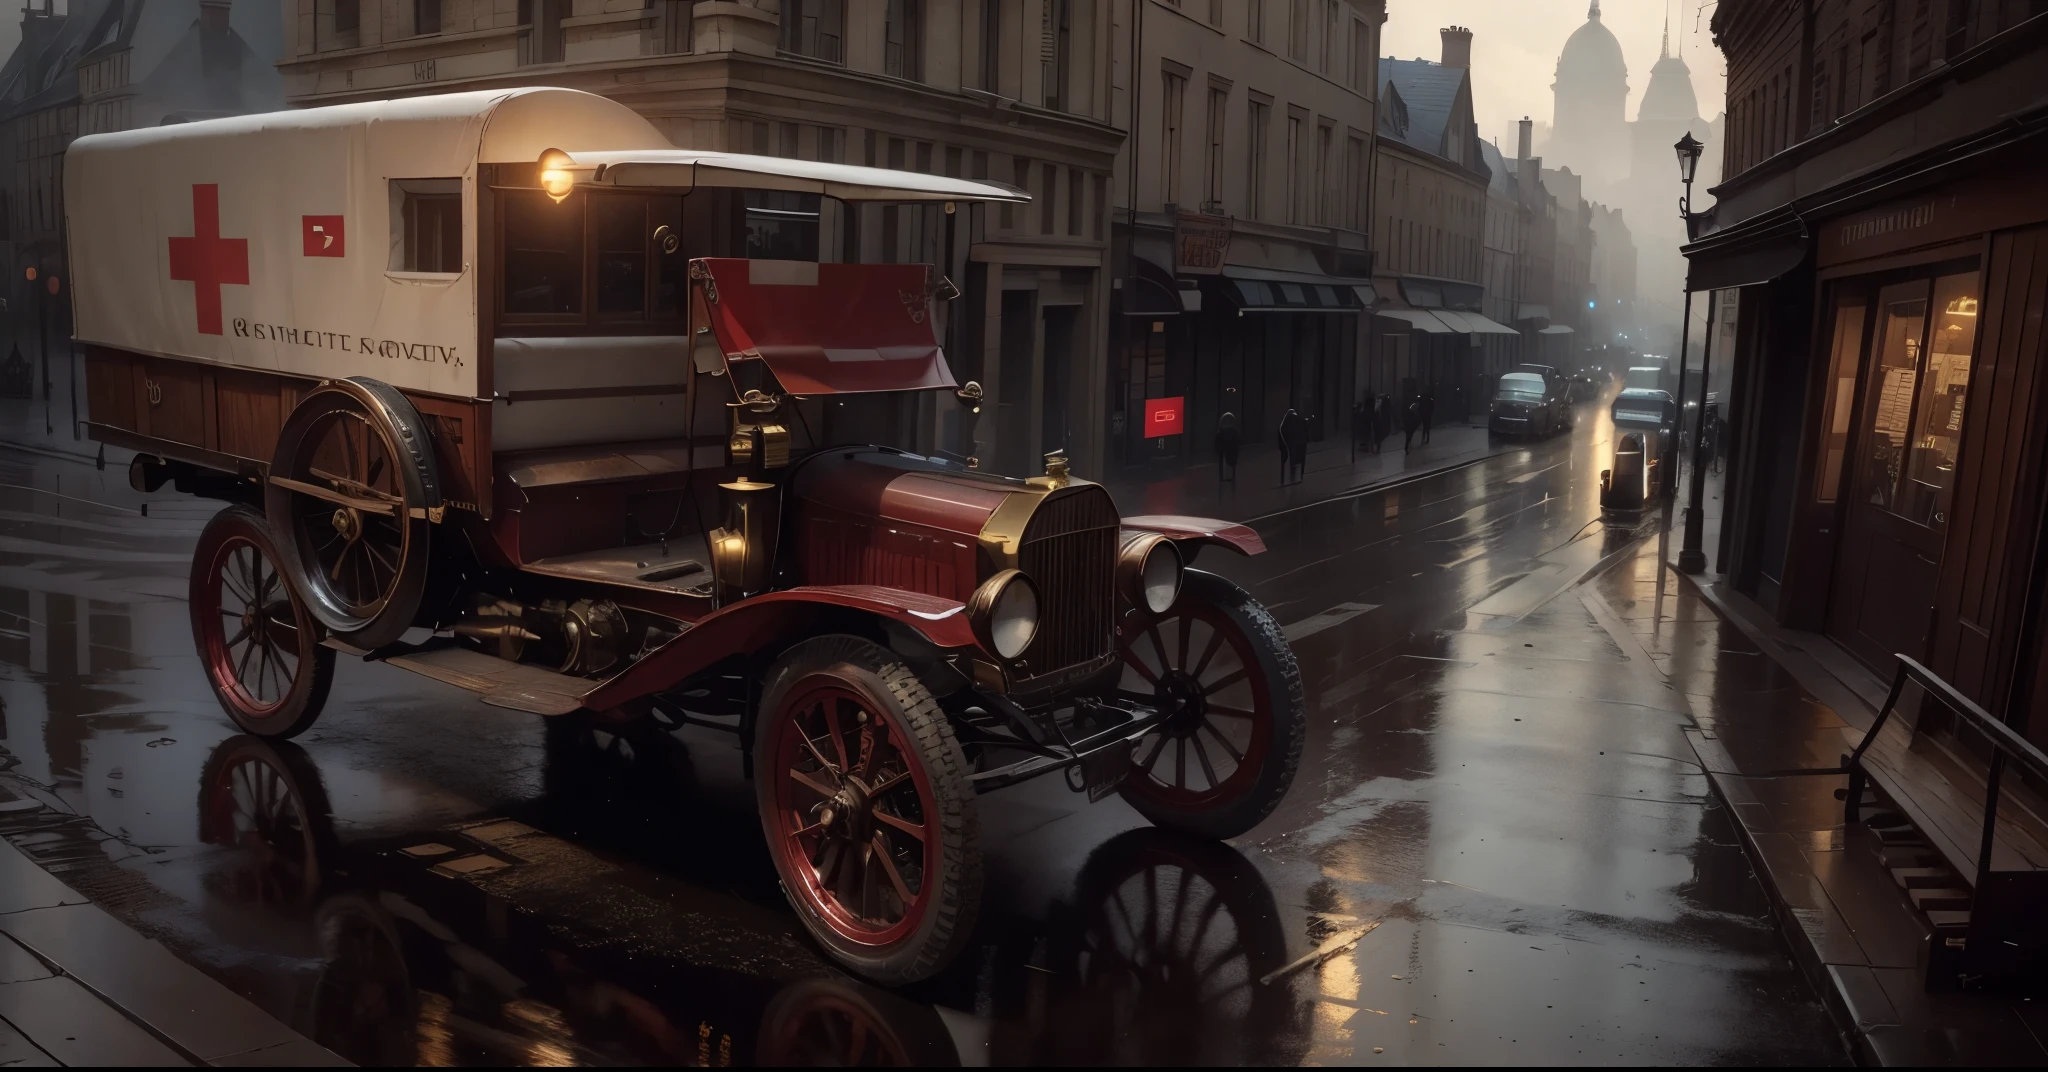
{"type": "Point", "coordinates": [867, 810]}
{"type": "Point", "coordinates": [258, 643]}
{"type": "Point", "coordinates": [1218, 667]}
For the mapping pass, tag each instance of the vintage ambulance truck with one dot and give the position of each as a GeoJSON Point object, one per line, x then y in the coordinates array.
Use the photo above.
{"type": "Point", "coordinates": [497, 396]}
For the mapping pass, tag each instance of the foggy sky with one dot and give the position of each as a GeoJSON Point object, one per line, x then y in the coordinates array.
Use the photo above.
{"type": "Point", "coordinates": [1515, 45]}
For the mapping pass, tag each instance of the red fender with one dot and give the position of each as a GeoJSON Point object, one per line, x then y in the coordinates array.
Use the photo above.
{"type": "Point", "coordinates": [753, 624]}
{"type": "Point", "coordinates": [1194, 533]}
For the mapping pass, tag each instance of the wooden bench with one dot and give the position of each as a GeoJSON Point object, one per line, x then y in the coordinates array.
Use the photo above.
{"type": "Point", "coordinates": [1995, 842]}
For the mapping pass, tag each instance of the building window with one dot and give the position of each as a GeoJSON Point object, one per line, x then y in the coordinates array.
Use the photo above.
{"type": "Point", "coordinates": [543, 20]}
{"type": "Point", "coordinates": [348, 14]}
{"type": "Point", "coordinates": [426, 216]}
{"type": "Point", "coordinates": [1212, 180]}
{"type": "Point", "coordinates": [991, 43]}
{"type": "Point", "coordinates": [1325, 210]}
{"type": "Point", "coordinates": [1215, 12]}
{"type": "Point", "coordinates": [1074, 199]}
{"type": "Point", "coordinates": [1354, 183]}
{"type": "Point", "coordinates": [1255, 21]}
{"type": "Point", "coordinates": [1329, 35]}
{"type": "Point", "coordinates": [1361, 56]}
{"type": "Point", "coordinates": [1170, 107]}
{"type": "Point", "coordinates": [678, 26]}
{"type": "Point", "coordinates": [426, 16]}
{"type": "Point", "coordinates": [1101, 205]}
{"type": "Point", "coordinates": [903, 39]}
{"type": "Point", "coordinates": [815, 28]}
{"type": "Point", "coordinates": [1059, 46]}
{"type": "Point", "coordinates": [1259, 119]}
{"type": "Point", "coordinates": [1297, 31]}
{"type": "Point", "coordinates": [1294, 150]}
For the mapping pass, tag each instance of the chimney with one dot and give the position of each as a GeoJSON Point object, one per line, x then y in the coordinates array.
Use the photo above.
{"type": "Point", "coordinates": [1457, 46]}
{"type": "Point", "coordinates": [1522, 145]}
{"type": "Point", "coordinates": [213, 15]}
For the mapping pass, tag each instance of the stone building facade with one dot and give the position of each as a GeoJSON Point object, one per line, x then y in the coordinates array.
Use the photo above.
{"type": "Point", "coordinates": [1017, 91]}
{"type": "Point", "coordinates": [1242, 200]}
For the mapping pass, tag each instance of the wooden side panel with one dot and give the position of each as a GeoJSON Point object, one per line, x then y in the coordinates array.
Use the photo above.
{"type": "Point", "coordinates": [110, 388]}
{"type": "Point", "coordinates": [251, 410]}
{"type": "Point", "coordinates": [1996, 511]}
{"type": "Point", "coordinates": [460, 447]}
{"type": "Point", "coordinates": [175, 398]}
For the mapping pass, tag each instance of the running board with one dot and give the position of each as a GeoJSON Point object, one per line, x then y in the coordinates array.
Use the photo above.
{"type": "Point", "coordinates": [497, 682]}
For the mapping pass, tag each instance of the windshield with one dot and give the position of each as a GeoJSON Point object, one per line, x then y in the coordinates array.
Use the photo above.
{"type": "Point", "coordinates": [1522, 387]}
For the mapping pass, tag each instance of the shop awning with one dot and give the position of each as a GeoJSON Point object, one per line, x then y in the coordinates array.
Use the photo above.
{"type": "Point", "coordinates": [1532, 312]}
{"type": "Point", "coordinates": [1254, 290]}
{"type": "Point", "coordinates": [1754, 251]}
{"type": "Point", "coordinates": [1555, 329]}
{"type": "Point", "coordinates": [1471, 323]}
{"type": "Point", "coordinates": [1418, 319]}
{"type": "Point", "coordinates": [1146, 296]}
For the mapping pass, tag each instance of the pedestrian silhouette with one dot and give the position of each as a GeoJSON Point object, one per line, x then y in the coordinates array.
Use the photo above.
{"type": "Point", "coordinates": [1362, 419]}
{"type": "Point", "coordinates": [1382, 422]}
{"type": "Point", "coordinates": [1226, 447]}
{"type": "Point", "coordinates": [1293, 447]}
{"type": "Point", "coordinates": [1428, 413]}
{"type": "Point", "coordinates": [1411, 419]}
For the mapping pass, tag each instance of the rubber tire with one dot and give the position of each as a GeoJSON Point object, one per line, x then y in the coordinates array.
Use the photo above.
{"type": "Point", "coordinates": [951, 916]}
{"type": "Point", "coordinates": [308, 696]}
{"type": "Point", "coordinates": [407, 431]}
{"type": "Point", "coordinates": [1290, 723]}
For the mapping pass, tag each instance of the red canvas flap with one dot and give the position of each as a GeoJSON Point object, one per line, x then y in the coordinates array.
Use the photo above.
{"type": "Point", "coordinates": [826, 328]}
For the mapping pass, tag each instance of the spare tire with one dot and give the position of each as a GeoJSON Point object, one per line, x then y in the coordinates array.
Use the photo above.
{"type": "Point", "coordinates": [352, 495]}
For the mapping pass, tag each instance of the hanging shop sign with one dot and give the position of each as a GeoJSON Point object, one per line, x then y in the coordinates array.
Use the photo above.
{"type": "Point", "coordinates": [1200, 243]}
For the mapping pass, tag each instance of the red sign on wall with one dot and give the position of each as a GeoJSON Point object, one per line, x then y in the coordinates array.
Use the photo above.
{"type": "Point", "coordinates": [1163, 416]}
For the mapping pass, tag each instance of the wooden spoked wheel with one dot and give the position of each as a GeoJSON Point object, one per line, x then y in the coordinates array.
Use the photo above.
{"type": "Point", "coordinates": [252, 802]}
{"type": "Point", "coordinates": [257, 641]}
{"type": "Point", "coordinates": [349, 494]}
{"type": "Point", "coordinates": [1216, 665]}
{"type": "Point", "coordinates": [867, 810]}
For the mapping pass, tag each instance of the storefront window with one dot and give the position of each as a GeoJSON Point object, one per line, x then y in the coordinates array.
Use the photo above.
{"type": "Point", "coordinates": [1938, 430]}
{"type": "Point", "coordinates": [1918, 390]}
{"type": "Point", "coordinates": [1848, 346]}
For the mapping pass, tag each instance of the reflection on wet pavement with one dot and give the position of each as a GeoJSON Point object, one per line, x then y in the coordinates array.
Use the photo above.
{"type": "Point", "coordinates": [1499, 849]}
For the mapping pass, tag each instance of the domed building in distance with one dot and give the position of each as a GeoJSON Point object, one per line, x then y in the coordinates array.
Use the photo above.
{"type": "Point", "coordinates": [1589, 125]}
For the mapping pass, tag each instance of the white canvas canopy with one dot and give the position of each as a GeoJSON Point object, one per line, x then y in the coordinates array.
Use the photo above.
{"type": "Point", "coordinates": [264, 241]}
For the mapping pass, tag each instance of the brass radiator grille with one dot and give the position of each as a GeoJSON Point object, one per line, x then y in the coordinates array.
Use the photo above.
{"type": "Point", "coordinates": [1069, 551]}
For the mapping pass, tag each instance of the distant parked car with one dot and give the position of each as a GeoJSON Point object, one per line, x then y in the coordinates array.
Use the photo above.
{"type": "Point", "coordinates": [1526, 403]}
{"type": "Point", "coordinates": [1650, 412]}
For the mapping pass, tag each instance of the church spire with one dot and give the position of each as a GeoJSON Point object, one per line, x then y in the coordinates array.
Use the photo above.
{"type": "Point", "coordinates": [1666, 52]}
{"type": "Point", "coordinates": [1594, 11]}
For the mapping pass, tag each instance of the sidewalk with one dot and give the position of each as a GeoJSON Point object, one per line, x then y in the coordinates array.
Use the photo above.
{"type": "Point", "coordinates": [1195, 490]}
{"type": "Point", "coordinates": [1768, 704]}
{"type": "Point", "coordinates": [77, 987]}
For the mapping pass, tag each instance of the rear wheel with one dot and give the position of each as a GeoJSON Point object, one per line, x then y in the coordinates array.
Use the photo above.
{"type": "Point", "coordinates": [865, 802]}
{"type": "Point", "coordinates": [349, 495]}
{"type": "Point", "coordinates": [257, 641]}
{"type": "Point", "coordinates": [1217, 664]}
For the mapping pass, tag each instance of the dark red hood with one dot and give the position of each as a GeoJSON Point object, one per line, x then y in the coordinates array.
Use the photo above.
{"type": "Point", "coordinates": [905, 488]}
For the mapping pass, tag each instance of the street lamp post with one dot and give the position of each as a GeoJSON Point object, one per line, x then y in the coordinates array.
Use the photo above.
{"type": "Point", "coordinates": [1691, 558]}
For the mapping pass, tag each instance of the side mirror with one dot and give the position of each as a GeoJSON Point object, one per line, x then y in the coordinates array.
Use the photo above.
{"type": "Point", "coordinates": [970, 395]}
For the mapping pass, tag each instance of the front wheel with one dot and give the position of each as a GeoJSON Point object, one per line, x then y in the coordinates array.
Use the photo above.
{"type": "Point", "coordinates": [258, 643]}
{"type": "Point", "coordinates": [868, 812]}
{"type": "Point", "coordinates": [1217, 664]}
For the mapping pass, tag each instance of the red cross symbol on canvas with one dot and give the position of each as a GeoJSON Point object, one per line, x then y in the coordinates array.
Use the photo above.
{"type": "Point", "coordinates": [206, 260]}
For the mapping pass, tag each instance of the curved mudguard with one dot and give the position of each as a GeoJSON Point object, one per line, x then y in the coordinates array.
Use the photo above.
{"type": "Point", "coordinates": [1191, 534]}
{"type": "Point", "coordinates": [764, 620]}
